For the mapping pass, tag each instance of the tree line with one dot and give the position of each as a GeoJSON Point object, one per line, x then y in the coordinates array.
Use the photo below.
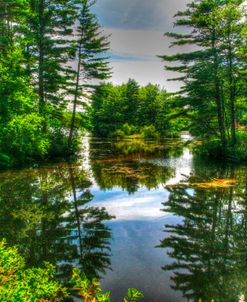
{"type": "Point", "coordinates": [50, 51]}
{"type": "Point", "coordinates": [128, 109]}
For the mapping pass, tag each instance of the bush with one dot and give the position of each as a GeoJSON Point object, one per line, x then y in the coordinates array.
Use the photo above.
{"type": "Point", "coordinates": [25, 137]}
{"type": "Point", "coordinates": [17, 283]}
{"type": "Point", "coordinates": [239, 152]}
{"type": "Point", "coordinates": [128, 129]}
{"type": "Point", "coordinates": [118, 134]}
{"type": "Point", "coordinates": [5, 160]}
{"type": "Point", "coordinates": [149, 132]}
{"type": "Point", "coordinates": [59, 142]}
{"type": "Point", "coordinates": [210, 148]}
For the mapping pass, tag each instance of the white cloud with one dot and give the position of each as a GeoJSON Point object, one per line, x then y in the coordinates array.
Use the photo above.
{"type": "Point", "coordinates": [140, 206]}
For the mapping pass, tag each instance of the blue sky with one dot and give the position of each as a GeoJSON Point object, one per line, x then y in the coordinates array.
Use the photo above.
{"type": "Point", "coordinates": [136, 28]}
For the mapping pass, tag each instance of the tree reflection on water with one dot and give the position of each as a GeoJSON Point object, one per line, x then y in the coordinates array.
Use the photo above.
{"type": "Point", "coordinates": [132, 164]}
{"type": "Point", "coordinates": [46, 212]}
{"type": "Point", "coordinates": [209, 247]}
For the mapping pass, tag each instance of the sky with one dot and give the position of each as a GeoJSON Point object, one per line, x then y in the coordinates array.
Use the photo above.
{"type": "Point", "coordinates": [137, 30]}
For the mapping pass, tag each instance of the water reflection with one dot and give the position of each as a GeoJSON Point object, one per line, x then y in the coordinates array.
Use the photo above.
{"type": "Point", "coordinates": [132, 164]}
{"type": "Point", "coordinates": [46, 213]}
{"type": "Point", "coordinates": [209, 246]}
{"type": "Point", "coordinates": [63, 215]}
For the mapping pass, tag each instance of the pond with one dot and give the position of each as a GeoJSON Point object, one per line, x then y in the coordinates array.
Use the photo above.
{"type": "Point", "coordinates": [134, 214]}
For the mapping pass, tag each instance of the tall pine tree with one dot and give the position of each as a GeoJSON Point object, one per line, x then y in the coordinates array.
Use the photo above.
{"type": "Point", "coordinates": [50, 25]}
{"type": "Point", "coordinates": [209, 71]}
{"type": "Point", "coordinates": [91, 48]}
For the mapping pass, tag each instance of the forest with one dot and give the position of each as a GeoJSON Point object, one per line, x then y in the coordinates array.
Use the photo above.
{"type": "Point", "coordinates": [49, 53]}
{"type": "Point", "coordinates": [129, 110]}
{"type": "Point", "coordinates": [105, 185]}
{"type": "Point", "coordinates": [54, 62]}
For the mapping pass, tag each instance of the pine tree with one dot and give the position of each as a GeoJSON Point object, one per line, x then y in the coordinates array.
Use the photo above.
{"type": "Point", "coordinates": [132, 95]}
{"type": "Point", "coordinates": [203, 70]}
{"type": "Point", "coordinates": [48, 51]}
{"type": "Point", "coordinates": [91, 45]}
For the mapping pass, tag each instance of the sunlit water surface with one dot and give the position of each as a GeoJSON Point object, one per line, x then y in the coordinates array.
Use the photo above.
{"type": "Point", "coordinates": [134, 214]}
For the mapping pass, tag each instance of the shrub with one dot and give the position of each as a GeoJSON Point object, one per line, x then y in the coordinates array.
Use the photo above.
{"type": "Point", "coordinates": [128, 129]}
{"type": "Point", "coordinates": [239, 151]}
{"type": "Point", "coordinates": [118, 134]}
{"type": "Point", "coordinates": [17, 283]}
{"type": "Point", "coordinates": [25, 137]}
{"type": "Point", "coordinates": [212, 148]}
{"type": "Point", "coordinates": [209, 148]}
{"type": "Point", "coordinates": [5, 160]}
{"type": "Point", "coordinates": [149, 132]}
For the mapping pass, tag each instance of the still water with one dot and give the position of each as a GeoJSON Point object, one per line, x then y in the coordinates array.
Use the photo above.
{"type": "Point", "coordinates": [134, 214]}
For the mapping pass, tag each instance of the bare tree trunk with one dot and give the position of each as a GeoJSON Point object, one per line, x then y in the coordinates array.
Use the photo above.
{"type": "Point", "coordinates": [72, 125]}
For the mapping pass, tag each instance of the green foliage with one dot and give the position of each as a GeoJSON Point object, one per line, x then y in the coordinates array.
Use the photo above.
{"type": "Point", "coordinates": [214, 75]}
{"type": "Point", "coordinates": [126, 109]}
{"type": "Point", "coordinates": [210, 148]}
{"type": "Point", "coordinates": [133, 295]}
{"type": "Point", "coordinates": [90, 55]}
{"type": "Point", "coordinates": [18, 283]}
{"type": "Point", "coordinates": [128, 129]}
{"type": "Point", "coordinates": [25, 137]}
{"type": "Point", "coordinates": [5, 160]}
{"type": "Point", "coordinates": [239, 152]}
{"type": "Point", "coordinates": [39, 89]}
{"type": "Point", "coordinates": [90, 290]}
{"type": "Point", "coordinates": [118, 134]}
{"type": "Point", "coordinates": [125, 131]}
{"type": "Point", "coordinates": [149, 132]}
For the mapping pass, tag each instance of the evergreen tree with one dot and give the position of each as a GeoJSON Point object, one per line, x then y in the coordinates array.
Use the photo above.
{"type": "Point", "coordinates": [209, 72]}
{"type": "Point", "coordinates": [50, 24]}
{"type": "Point", "coordinates": [132, 99]}
{"type": "Point", "coordinates": [91, 46]}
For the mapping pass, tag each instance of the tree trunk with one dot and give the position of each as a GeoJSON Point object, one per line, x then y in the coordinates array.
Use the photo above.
{"type": "Point", "coordinates": [218, 99]}
{"type": "Point", "coordinates": [72, 125]}
{"type": "Point", "coordinates": [77, 213]}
